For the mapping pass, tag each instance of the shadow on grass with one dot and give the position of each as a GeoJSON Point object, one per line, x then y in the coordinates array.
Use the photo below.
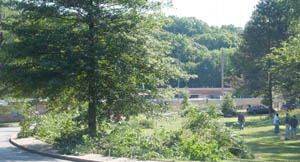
{"type": "Point", "coordinates": [260, 121]}
{"type": "Point", "coordinates": [252, 123]}
{"type": "Point", "coordinates": [272, 147]}
{"type": "Point", "coordinates": [266, 145]}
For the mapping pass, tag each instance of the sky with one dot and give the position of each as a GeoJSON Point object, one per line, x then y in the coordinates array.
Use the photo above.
{"type": "Point", "coordinates": [215, 12]}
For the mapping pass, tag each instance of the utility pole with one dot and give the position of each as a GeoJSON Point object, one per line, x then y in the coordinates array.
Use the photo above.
{"type": "Point", "coordinates": [178, 64]}
{"type": "Point", "coordinates": [1, 37]}
{"type": "Point", "coordinates": [222, 75]}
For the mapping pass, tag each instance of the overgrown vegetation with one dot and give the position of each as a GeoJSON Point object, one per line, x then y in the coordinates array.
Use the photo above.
{"type": "Point", "coordinates": [27, 121]}
{"type": "Point", "coordinates": [201, 136]}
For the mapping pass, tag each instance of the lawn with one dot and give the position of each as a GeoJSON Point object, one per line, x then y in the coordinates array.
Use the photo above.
{"type": "Point", "coordinates": [267, 146]}
{"type": "Point", "coordinates": [13, 124]}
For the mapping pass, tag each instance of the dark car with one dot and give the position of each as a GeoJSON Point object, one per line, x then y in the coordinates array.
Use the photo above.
{"type": "Point", "coordinates": [260, 109]}
{"type": "Point", "coordinates": [289, 106]}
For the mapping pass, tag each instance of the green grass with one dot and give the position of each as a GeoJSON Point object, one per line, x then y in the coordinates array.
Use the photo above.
{"type": "Point", "coordinates": [169, 123]}
{"type": "Point", "coordinates": [13, 124]}
{"type": "Point", "coordinates": [267, 146]}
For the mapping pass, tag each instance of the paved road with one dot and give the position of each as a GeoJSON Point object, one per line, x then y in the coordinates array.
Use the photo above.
{"type": "Point", "coordinates": [9, 153]}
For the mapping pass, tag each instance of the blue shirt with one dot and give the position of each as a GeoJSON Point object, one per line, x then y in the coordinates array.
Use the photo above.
{"type": "Point", "coordinates": [275, 119]}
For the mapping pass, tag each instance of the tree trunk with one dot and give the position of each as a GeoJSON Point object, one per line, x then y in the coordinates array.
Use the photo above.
{"type": "Point", "coordinates": [271, 110]}
{"type": "Point", "coordinates": [92, 119]}
{"type": "Point", "coordinates": [92, 114]}
{"type": "Point", "coordinates": [91, 74]}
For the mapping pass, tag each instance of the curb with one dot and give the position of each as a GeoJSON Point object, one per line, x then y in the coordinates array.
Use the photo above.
{"type": "Point", "coordinates": [57, 156]}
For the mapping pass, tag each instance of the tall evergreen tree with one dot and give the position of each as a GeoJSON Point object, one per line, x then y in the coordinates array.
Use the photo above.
{"type": "Point", "coordinates": [267, 28]}
{"type": "Point", "coordinates": [98, 52]}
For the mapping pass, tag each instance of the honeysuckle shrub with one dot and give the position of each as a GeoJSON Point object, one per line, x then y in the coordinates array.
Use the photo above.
{"type": "Point", "coordinates": [203, 137]}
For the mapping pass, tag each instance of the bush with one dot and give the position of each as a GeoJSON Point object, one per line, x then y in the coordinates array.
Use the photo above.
{"type": "Point", "coordinates": [142, 122]}
{"type": "Point", "coordinates": [126, 141]}
{"type": "Point", "coordinates": [27, 121]}
{"type": "Point", "coordinates": [204, 139]}
{"type": "Point", "coordinates": [228, 105]}
{"type": "Point", "coordinates": [186, 99]}
{"type": "Point", "coordinates": [213, 111]}
{"type": "Point", "coordinates": [60, 129]}
{"type": "Point", "coordinates": [195, 149]}
{"type": "Point", "coordinates": [210, 131]}
{"type": "Point", "coordinates": [188, 110]}
{"type": "Point", "coordinates": [147, 124]}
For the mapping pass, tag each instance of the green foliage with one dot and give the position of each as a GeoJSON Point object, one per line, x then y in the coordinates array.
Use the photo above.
{"type": "Point", "coordinates": [286, 66]}
{"type": "Point", "coordinates": [186, 99]}
{"type": "Point", "coordinates": [131, 144]}
{"type": "Point", "coordinates": [205, 139]}
{"type": "Point", "coordinates": [208, 130]}
{"type": "Point", "coordinates": [266, 99]}
{"type": "Point", "coordinates": [52, 125]}
{"type": "Point", "coordinates": [62, 130]}
{"type": "Point", "coordinates": [190, 108]}
{"type": "Point", "coordinates": [195, 149]}
{"type": "Point", "coordinates": [198, 49]}
{"type": "Point", "coordinates": [27, 121]}
{"type": "Point", "coordinates": [228, 105]}
{"type": "Point", "coordinates": [126, 141]}
{"type": "Point", "coordinates": [186, 26]}
{"type": "Point", "coordinates": [213, 111]}
{"type": "Point", "coordinates": [142, 122]}
{"type": "Point", "coordinates": [147, 124]}
{"type": "Point", "coordinates": [12, 107]}
{"type": "Point", "coordinates": [218, 40]}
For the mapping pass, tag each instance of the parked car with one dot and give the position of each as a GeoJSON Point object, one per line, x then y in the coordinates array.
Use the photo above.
{"type": "Point", "coordinates": [260, 109]}
{"type": "Point", "coordinates": [289, 106]}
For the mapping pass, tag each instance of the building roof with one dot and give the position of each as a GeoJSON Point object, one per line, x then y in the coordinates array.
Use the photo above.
{"type": "Point", "coordinates": [208, 91]}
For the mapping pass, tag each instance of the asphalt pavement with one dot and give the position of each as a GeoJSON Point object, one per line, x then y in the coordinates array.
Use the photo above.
{"type": "Point", "coordinates": [10, 153]}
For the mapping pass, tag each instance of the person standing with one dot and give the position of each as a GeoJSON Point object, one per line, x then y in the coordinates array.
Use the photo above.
{"type": "Point", "coordinates": [241, 120]}
{"type": "Point", "coordinates": [294, 124]}
{"type": "Point", "coordinates": [276, 123]}
{"type": "Point", "coordinates": [287, 126]}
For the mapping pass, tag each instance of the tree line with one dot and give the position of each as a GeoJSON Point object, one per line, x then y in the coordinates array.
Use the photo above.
{"type": "Point", "coordinates": [198, 49]}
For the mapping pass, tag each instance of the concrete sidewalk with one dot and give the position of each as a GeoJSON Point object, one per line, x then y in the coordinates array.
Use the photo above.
{"type": "Point", "coordinates": [36, 146]}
